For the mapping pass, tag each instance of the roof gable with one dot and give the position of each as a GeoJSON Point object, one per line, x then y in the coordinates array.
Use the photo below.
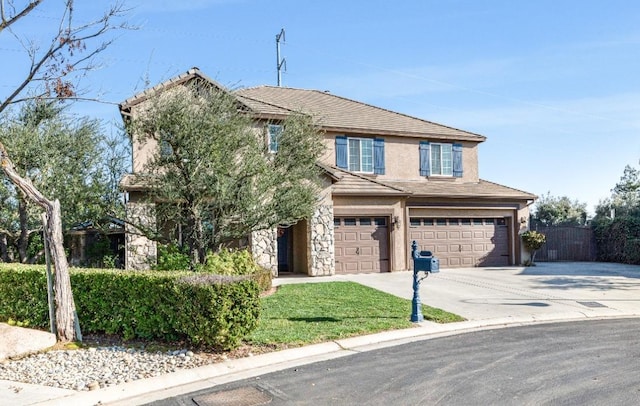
{"type": "Point", "coordinates": [188, 76]}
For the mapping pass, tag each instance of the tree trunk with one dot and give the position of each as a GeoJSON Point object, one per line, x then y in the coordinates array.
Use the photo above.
{"type": "Point", "coordinates": [4, 248]}
{"type": "Point", "coordinates": [65, 307]}
{"type": "Point", "coordinates": [23, 238]}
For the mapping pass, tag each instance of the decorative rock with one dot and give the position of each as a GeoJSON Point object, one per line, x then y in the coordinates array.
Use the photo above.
{"type": "Point", "coordinates": [92, 368]}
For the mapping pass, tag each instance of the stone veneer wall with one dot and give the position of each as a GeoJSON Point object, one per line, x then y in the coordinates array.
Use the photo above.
{"type": "Point", "coordinates": [264, 247]}
{"type": "Point", "coordinates": [321, 248]}
{"type": "Point", "coordinates": [140, 252]}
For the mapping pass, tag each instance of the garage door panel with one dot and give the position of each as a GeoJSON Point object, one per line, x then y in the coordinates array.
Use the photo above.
{"type": "Point", "coordinates": [361, 244]}
{"type": "Point", "coordinates": [442, 248]}
{"type": "Point", "coordinates": [350, 236]}
{"type": "Point", "coordinates": [367, 252]}
{"type": "Point", "coordinates": [366, 266]}
{"type": "Point", "coordinates": [350, 251]}
{"type": "Point", "coordinates": [464, 242]}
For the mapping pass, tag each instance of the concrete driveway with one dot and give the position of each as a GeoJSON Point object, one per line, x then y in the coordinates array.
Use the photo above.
{"type": "Point", "coordinates": [548, 291]}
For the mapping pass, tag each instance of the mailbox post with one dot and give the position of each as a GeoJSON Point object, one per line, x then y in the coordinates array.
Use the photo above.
{"type": "Point", "coordinates": [423, 261]}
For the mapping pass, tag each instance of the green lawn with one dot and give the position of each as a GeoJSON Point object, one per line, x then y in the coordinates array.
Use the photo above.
{"type": "Point", "coordinates": [299, 314]}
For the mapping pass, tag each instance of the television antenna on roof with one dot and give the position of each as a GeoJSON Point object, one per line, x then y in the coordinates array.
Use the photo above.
{"type": "Point", "coordinates": [281, 63]}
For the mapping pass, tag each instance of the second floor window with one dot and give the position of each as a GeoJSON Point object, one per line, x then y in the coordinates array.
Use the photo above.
{"type": "Point", "coordinates": [441, 159]}
{"type": "Point", "coordinates": [274, 132]}
{"type": "Point", "coordinates": [365, 155]}
{"type": "Point", "coordinates": [361, 155]}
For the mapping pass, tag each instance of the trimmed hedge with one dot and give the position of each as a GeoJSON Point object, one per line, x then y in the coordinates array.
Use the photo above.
{"type": "Point", "coordinates": [213, 310]}
{"type": "Point", "coordinates": [237, 262]}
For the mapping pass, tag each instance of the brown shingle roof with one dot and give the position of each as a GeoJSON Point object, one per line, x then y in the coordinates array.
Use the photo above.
{"type": "Point", "coordinates": [333, 112]}
{"type": "Point", "coordinates": [481, 189]}
{"type": "Point", "coordinates": [340, 114]}
{"type": "Point", "coordinates": [348, 183]}
{"type": "Point", "coordinates": [193, 73]}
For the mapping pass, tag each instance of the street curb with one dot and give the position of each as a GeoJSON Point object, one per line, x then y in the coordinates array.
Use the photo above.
{"type": "Point", "coordinates": [191, 380]}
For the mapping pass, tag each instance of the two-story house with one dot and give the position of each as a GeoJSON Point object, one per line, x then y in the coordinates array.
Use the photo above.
{"type": "Point", "coordinates": [389, 178]}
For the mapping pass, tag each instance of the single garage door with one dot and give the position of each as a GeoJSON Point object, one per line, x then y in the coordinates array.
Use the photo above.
{"type": "Point", "coordinates": [361, 244]}
{"type": "Point", "coordinates": [463, 242]}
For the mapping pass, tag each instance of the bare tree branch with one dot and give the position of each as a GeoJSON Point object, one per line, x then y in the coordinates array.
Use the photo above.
{"type": "Point", "coordinates": [52, 66]}
{"type": "Point", "coordinates": [6, 22]}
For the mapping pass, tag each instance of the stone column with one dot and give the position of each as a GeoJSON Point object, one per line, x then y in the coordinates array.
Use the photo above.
{"type": "Point", "coordinates": [321, 252]}
{"type": "Point", "coordinates": [264, 247]}
{"type": "Point", "coordinates": [141, 253]}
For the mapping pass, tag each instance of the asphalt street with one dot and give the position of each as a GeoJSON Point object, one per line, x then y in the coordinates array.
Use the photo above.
{"type": "Point", "coordinates": [578, 363]}
{"type": "Point", "coordinates": [489, 298]}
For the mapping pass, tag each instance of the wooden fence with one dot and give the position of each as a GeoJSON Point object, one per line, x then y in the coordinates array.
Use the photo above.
{"type": "Point", "coordinates": [565, 243]}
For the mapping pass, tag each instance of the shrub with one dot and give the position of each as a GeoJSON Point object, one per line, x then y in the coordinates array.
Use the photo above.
{"type": "Point", "coordinates": [618, 240]}
{"type": "Point", "coordinates": [172, 258]}
{"type": "Point", "coordinates": [203, 309]}
{"type": "Point", "coordinates": [533, 241]}
{"type": "Point", "coordinates": [238, 263]}
{"type": "Point", "coordinates": [23, 294]}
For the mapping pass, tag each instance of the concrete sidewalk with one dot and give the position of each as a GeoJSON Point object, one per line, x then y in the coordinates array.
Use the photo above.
{"type": "Point", "coordinates": [486, 297]}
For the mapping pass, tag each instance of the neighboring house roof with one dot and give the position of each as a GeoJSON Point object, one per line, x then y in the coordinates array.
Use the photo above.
{"type": "Point", "coordinates": [481, 189]}
{"type": "Point", "coordinates": [335, 113]}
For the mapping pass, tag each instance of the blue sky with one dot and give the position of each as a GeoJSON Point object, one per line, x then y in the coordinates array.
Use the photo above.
{"type": "Point", "coordinates": [554, 85]}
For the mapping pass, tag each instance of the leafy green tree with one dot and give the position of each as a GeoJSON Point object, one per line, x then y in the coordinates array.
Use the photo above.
{"type": "Point", "coordinates": [617, 221]}
{"type": "Point", "coordinates": [554, 211]}
{"type": "Point", "coordinates": [49, 73]}
{"type": "Point", "coordinates": [214, 173]}
{"type": "Point", "coordinates": [64, 157]}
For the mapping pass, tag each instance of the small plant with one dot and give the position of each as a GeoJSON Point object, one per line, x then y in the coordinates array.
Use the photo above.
{"type": "Point", "coordinates": [109, 261]}
{"type": "Point", "coordinates": [18, 323]}
{"type": "Point", "coordinates": [533, 241]}
{"type": "Point", "coordinates": [172, 258]}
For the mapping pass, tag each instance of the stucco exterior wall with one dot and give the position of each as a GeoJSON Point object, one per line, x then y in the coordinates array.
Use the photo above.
{"type": "Point", "coordinates": [402, 157]}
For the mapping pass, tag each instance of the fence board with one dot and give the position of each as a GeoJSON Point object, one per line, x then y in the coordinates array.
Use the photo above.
{"type": "Point", "coordinates": [565, 243]}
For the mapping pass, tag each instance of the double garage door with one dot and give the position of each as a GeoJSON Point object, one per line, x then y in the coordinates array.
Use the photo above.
{"type": "Point", "coordinates": [463, 242]}
{"type": "Point", "coordinates": [361, 244]}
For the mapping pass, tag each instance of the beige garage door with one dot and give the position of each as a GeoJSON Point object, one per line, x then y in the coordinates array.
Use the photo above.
{"type": "Point", "coordinates": [465, 242]}
{"type": "Point", "coordinates": [361, 244]}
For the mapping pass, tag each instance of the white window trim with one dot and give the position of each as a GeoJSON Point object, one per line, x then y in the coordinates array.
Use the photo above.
{"type": "Point", "coordinates": [360, 139]}
{"type": "Point", "coordinates": [431, 171]}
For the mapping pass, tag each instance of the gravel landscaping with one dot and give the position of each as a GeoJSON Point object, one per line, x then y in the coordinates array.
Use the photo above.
{"type": "Point", "coordinates": [102, 366]}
